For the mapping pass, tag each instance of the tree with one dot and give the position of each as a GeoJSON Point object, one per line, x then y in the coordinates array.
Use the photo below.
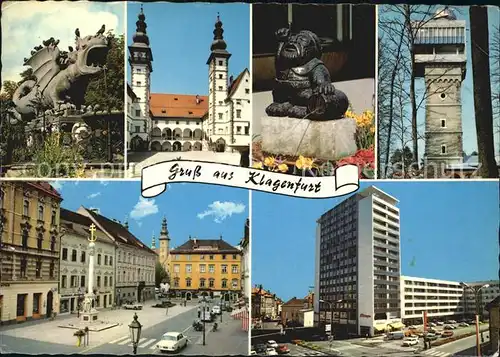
{"type": "Point", "coordinates": [9, 87]}
{"type": "Point", "coordinates": [107, 89]}
{"type": "Point", "coordinates": [482, 91]}
{"type": "Point", "coordinates": [401, 160]}
{"type": "Point", "coordinates": [161, 275]}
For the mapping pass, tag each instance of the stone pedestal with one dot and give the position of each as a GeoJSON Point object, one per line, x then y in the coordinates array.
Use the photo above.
{"type": "Point", "coordinates": [89, 317]}
{"type": "Point", "coordinates": [326, 140]}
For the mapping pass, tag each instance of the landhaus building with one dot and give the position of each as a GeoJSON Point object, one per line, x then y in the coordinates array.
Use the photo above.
{"type": "Point", "coordinates": [219, 121]}
{"type": "Point", "coordinates": [30, 242]}
{"type": "Point", "coordinates": [75, 263]}
{"type": "Point", "coordinates": [135, 261]}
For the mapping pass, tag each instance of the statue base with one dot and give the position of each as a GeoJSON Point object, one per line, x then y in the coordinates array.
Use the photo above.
{"type": "Point", "coordinates": [325, 140]}
{"type": "Point", "coordinates": [89, 317]}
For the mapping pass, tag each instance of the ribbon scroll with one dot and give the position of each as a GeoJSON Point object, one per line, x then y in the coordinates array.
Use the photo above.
{"type": "Point", "coordinates": [156, 177]}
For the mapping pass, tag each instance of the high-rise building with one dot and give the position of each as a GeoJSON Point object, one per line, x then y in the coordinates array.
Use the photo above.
{"type": "Point", "coordinates": [358, 265]}
{"type": "Point", "coordinates": [440, 59]}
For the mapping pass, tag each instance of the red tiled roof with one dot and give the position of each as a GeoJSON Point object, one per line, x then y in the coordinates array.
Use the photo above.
{"type": "Point", "coordinates": [178, 105]}
{"type": "Point", "coordinates": [236, 83]}
{"type": "Point", "coordinates": [295, 301]}
{"type": "Point", "coordinates": [214, 246]}
{"type": "Point", "coordinates": [45, 187]}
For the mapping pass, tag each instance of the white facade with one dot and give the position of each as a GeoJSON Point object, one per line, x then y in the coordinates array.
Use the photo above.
{"type": "Point", "coordinates": [138, 124]}
{"type": "Point", "coordinates": [74, 278]}
{"type": "Point", "coordinates": [239, 113]}
{"type": "Point", "coordinates": [178, 134]}
{"type": "Point", "coordinates": [140, 84]}
{"type": "Point", "coordinates": [440, 298]}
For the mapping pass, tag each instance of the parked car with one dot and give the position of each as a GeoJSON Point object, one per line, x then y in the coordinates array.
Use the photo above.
{"type": "Point", "coordinates": [132, 306]}
{"type": "Point", "coordinates": [272, 344]}
{"type": "Point", "coordinates": [172, 341]}
{"type": "Point", "coordinates": [452, 321]}
{"type": "Point", "coordinates": [432, 336]}
{"type": "Point", "coordinates": [271, 352]}
{"type": "Point", "coordinates": [463, 324]}
{"type": "Point", "coordinates": [447, 333]}
{"type": "Point", "coordinates": [282, 349]}
{"type": "Point", "coordinates": [216, 310]}
{"type": "Point", "coordinates": [440, 323]}
{"type": "Point", "coordinates": [449, 327]}
{"type": "Point", "coordinates": [398, 335]}
{"type": "Point", "coordinates": [432, 324]}
{"type": "Point", "coordinates": [410, 341]}
{"type": "Point", "coordinates": [252, 353]}
{"type": "Point", "coordinates": [412, 327]}
{"type": "Point", "coordinates": [260, 348]}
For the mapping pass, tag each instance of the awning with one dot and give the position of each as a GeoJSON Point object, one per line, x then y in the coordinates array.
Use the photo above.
{"type": "Point", "coordinates": [397, 325]}
{"type": "Point", "coordinates": [380, 327]}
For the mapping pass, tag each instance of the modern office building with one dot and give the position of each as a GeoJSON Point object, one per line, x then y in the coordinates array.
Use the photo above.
{"type": "Point", "coordinates": [485, 295]}
{"type": "Point", "coordinates": [442, 299]}
{"type": "Point", "coordinates": [364, 298]}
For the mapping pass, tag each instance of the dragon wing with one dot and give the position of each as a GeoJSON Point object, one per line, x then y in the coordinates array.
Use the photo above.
{"type": "Point", "coordinates": [44, 65]}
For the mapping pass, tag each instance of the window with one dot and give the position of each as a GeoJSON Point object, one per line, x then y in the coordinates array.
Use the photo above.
{"type": "Point", "coordinates": [25, 239]}
{"type": "Point", "coordinates": [64, 254]}
{"type": "Point", "coordinates": [105, 260]}
{"type": "Point", "coordinates": [82, 257]}
{"type": "Point", "coordinates": [82, 281]}
{"type": "Point", "coordinates": [202, 283]}
{"type": "Point", "coordinates": [220, 102]}
{"type": "Point", "coordinates": [137, 113]}
{"type": "Point", "coordinates": [111, 281]}
{"type": "Point", "coordinates": [26, 208]}
{"type": "Point", "coordinates": [177, 268]}
{"type": "Point", "coordinates": [211, 268]}
{"type": "Point", "coordinates": [53, 217]}
{"type": "Point", "coordinates": [234, 269]}
{"type": "Point", "coordinates": [188, 282]}
{"type": "Point", "coordinates": [63, 281]}
{"type": "Point", "coordinates": [110, 261]}
{"type": "Point", "coordinates": [36, 303]}
{"type": "Point", "coordinates": [247, 130]}
{"type": "Point", "coordinates": [98, 259]}
{"type": "Point", "coordinates": [138, 70]}
{"type": "Point", "coordinates": [220, 76]}
{"type": "Point", "coordinates": [247, 91]}
{"type": "Point", "coordinates": [105, 281]}
{"type": "Point", "coordinates": [39, 241]}
{"type": "Point", "coordinates": [38, 268]}
{"type": "Point", "coordinates": [442, 96]}
{"type": "Point", "coordinates": [73, 255]}
{"type": "Point", "coordinates": [40, 213]}
{"type": "Point", "coordinates": [443, 123]}
{"type": "Point", "coordinates": [188, 268]}
{"type": "Point", "coordinates": [139, 83]}
{"type": "Point", "coordinates": [202, 257]}
{"type": "Point", "coordinates": [443, 149]}
{"type": "Point", "coordinates": [137, 129]}
{"type": "Point", "coordinates": [220, 88]}
{"type": "Point", "coordinates": [21, 304]}
{"type": "Point", "coordinates": [211, 257]}
{"type": "Point", "coordinates": [238, 130]}
{"type": "Point", "coordinates": [98, 281]}
{"type": "Point", "coordinates": [238, 113]}
{"type": "Point", "coordinates": [223, 257]}
{"type": "Point", "coordinates": [220, 63]}
{"type": "Point", "coordinates": [202, 268]}
{"type": "Point", "coordinates": [234, 283]}
{"type": "Point", "coordinates": [235, 257]}
{"type": "Point", "coordinates": [74, 281]}
{"type": "Point", "coordinates": [51, 269]}
{"type": "Point", "coordinates": [176, 282]}
{"type": "Point", "coordinates": [211, 283]}
{"type": "Point", "coordinates": [224, 269]}
{"type": "Point", "coordinates": [224, 283]}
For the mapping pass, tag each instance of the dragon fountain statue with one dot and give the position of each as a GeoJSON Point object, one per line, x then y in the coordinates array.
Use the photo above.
{"type": "Point", "coordinates": [60, 78]}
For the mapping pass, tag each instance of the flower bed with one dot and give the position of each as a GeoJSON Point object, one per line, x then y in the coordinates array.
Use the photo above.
{"type": "Point", "coordinates": [299, 165]}
{"type": "Point", "coordinates": [451, 339]}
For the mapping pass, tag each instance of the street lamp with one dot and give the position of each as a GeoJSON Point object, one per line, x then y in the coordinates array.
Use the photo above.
{"type": "Point", "coordinates": [221, 300]}
{"type": "Point", "coordinates": [331, 312]}
{"type": "Point", "coordinates": [203, 316]}
{"type": "Point", "coordinates": [475, 290]}
{"type": "Point", "coordinates": [135, 328]}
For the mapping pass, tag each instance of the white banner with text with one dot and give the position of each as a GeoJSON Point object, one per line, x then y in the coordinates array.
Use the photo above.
{"type": "Point", "coordinates": [156, 177]}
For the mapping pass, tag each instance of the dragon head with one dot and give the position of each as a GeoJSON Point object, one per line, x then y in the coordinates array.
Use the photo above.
{"type": "Point", "coordinates": [91, 51]}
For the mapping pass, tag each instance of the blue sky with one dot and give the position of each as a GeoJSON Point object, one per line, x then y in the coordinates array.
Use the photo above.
{"type": "Point", "coordinates": [202, 211]}
{"type": "Point", "coordinates": [449, 229]}
{"type": "Point", "coordinates": [26, 23]}
{"type": "Point", "coordinates": [180, 37]}
{"type": "Point", "coordinates": [468, 119]}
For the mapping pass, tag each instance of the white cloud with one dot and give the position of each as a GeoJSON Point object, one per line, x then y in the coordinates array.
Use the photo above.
{"type": "Point", "coordinates": [222, 210]}
{"type": "Point", "coordinates": [104, 183]}
{"type": "Point", "coordinates": [93, 195]}
{"type": "Point", "coordinates": [143, 208]}
{"type": "Point", "coordinates": [25, 24]}
{"type": "Point", "coordinates": [58, 185]}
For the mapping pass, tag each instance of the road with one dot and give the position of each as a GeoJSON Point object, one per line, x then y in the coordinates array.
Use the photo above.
{"type": "Point", "coordinates": [229, 339]}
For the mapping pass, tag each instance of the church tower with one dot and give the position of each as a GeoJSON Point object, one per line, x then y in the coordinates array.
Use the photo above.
{"type": "Point", "coordinates": [440, 59]}
{"type": "Point", "coordinates": [140, 64]}
{"type": "Point", "coordinates": [164, 256]}
{"type": "Point", "coordinates": [218, 122]}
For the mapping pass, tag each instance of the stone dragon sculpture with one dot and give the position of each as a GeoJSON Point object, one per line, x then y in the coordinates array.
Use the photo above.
{"type": "Point", "coordinates": [303, 88]}
{"type": "Point", "coordinates": [60, 78]}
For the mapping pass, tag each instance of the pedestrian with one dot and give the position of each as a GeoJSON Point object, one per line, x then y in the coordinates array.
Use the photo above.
{"type": "Point", "coordinates": [166, 311]}
{"type": "Point", "coordinates": [199, 312]}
